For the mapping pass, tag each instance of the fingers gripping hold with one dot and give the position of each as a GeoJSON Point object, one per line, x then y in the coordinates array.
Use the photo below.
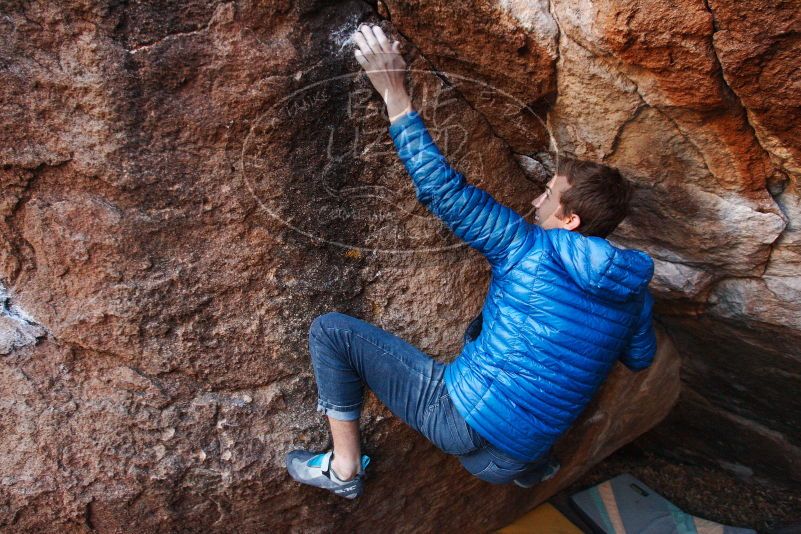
{"type": "Point", "coordinates": [360, 58]}
{"type": "Point", "coordinates": [382, 40]}
{"type": "Point", "coordinates": [382, 61]}
{"type": "Point", "coordinates": [371, 40]}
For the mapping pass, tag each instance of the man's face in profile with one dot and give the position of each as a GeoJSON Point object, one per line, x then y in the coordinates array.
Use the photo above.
{"type": "Point", "coordinates": [548, 207]}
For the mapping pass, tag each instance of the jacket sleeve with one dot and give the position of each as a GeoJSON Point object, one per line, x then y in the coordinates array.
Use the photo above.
{"type": "Point", "coordinates": [470, 212]}
{"type": "Point", "coordinates": [642, 346]}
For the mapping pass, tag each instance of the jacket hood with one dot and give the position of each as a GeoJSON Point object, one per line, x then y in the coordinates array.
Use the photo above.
{"type": "Point", "coordinates": [601, 268]}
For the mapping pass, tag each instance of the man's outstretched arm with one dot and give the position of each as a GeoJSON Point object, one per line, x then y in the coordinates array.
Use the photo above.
{"type": "Point", "coordinates": [472, 213]}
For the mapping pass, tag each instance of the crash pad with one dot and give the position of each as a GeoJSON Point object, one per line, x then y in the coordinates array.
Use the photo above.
{"type": "Point", "coordinates": [624, 505]}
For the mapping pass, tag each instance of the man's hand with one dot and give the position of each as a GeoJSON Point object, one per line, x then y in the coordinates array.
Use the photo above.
{"type": "Point", "coordinates": [384, 66]}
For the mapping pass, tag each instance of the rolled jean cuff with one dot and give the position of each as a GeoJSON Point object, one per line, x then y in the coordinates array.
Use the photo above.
{"type": "Point", "coordinates": [340, 413]}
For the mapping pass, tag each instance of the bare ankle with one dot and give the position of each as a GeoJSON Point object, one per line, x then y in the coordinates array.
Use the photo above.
{"type": "Point", "coordinates": [344, 469]}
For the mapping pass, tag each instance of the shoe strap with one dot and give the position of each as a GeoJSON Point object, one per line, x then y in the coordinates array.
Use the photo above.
{"type": "Point", "coordinates": [326, 463]}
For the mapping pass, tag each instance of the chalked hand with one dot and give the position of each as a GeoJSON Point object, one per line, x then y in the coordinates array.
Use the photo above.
{"type": "Point", "coordinates": [385, 67]}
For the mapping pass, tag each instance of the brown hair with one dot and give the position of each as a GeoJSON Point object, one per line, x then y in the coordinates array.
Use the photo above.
{"type": "Point", "coordinates": [598, 194]}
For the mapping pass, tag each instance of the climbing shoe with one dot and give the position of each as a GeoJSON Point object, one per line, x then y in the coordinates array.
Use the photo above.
{"type": "Point", "coordinates": [539, 474]}
{"type": "Point", "coordinates": [315, 469]}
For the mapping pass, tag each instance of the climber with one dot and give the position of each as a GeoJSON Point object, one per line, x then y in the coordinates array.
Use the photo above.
{"type": "Point", "coordinates": [562, 306]}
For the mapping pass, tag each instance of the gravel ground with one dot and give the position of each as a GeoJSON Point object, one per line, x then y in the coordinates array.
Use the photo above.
{"type": "Point", "coordinates": [707, 492]}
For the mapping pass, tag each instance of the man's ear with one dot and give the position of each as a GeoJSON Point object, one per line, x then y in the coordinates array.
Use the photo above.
{"type": "Point", "coordinates": [572, 221]}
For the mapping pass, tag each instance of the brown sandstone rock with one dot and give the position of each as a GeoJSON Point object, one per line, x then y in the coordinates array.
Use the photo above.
{"type": "Point", "coordinates": [185, 189]}
{"type": "Point", "coordinates": [757, 48]}
{"type": "Point", "coordinates": [185, 186]}
{"type": "Point", "coordinates": [498, 55]}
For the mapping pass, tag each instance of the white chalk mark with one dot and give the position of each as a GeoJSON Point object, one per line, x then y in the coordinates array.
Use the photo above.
{"type": "Point", "coordinates": [17, 327]}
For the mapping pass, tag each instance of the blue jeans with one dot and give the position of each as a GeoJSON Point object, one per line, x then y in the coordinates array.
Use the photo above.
{"type": "Point", "coordinates": [347, 353]}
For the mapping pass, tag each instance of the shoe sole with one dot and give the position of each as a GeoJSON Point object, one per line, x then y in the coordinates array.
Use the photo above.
{"type": "Point", "coordinates": [540, 481]}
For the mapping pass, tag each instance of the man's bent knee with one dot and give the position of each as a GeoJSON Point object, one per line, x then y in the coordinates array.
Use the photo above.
{"type": "Point", "coordinates": [326, 320]}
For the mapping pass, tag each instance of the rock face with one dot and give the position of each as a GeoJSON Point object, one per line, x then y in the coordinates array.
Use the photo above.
{"type": "Point", "coordinates": [185, 186]}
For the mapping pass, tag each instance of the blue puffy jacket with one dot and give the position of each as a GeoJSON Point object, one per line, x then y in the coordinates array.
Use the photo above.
{"type": "Point", "coordinates": [560, 310]}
